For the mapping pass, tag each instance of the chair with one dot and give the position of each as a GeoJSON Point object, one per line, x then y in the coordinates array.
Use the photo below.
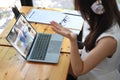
{"type": "Point", "coordinates": [26, 2]}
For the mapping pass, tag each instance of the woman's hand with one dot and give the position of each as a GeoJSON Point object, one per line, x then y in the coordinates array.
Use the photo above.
{"type": "Point", "coordinates": [63, 31]}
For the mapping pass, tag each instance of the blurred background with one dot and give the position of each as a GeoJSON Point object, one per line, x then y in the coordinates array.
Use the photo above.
{"type": "Point", "coordinates": [6, 13]}
{"type": "Point", "coordinates": [67, 4]}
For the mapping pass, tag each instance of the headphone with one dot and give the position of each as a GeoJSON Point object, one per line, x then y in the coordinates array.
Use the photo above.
{"type": "Point", "coordinates": [97, 7]}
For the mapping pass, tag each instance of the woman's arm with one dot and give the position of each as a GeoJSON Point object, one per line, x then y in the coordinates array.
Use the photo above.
{"type": "Point", "coordinates": [104, 48]}
{"type": "Point", "coordinates": [76, 61]}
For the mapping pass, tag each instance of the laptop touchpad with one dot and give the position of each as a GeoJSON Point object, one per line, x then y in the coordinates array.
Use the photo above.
{"type": "Point", "coordinates": [54, 47]}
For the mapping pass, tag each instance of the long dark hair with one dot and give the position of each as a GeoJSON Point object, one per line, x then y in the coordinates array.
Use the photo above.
{"type": "Point", "coordinates": [98, 23]}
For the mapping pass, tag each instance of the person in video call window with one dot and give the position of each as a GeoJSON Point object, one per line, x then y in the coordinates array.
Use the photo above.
{"type": "Point", "coordinates": [99, 59]}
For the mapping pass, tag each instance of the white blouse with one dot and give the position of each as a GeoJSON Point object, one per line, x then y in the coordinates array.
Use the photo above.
{"type": "Point", "coordinates": [108, 68]}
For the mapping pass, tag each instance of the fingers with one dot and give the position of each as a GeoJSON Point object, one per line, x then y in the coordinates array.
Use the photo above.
{"type": "Point", "coordinates": [54, 23]}
{"type": "Point", "coordinates": [60, 30]}
{"type": "Point", "coordinates": [55, 26]}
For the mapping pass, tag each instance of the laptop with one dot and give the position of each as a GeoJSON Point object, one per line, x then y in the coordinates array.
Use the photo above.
{"type": "Point", "coordinates": [33, 46]}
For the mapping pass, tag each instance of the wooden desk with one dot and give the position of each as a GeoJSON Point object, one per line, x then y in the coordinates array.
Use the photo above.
{"type": "Point", "coordinates": [14, 67]}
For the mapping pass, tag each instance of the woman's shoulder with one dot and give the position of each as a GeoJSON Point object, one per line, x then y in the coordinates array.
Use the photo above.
{"type": "Point", "coordinates": [114, 32]}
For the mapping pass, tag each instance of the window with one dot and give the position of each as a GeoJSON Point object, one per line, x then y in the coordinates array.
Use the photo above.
{"type": "Point", "coordinates": [5, 13]}
{"type": "Point", "coordinates": [67, 4]}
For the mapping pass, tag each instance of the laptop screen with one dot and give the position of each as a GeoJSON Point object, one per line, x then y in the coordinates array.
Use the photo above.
{"type": "Point", "coordinates": [21, 36]}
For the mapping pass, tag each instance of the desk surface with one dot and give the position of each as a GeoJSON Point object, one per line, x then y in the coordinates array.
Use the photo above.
{"type": "Point", "coordinates": [14, 67]}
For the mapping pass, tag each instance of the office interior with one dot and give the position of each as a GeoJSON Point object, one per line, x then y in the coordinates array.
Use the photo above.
{"type": "Point", "coordinates": [6, 14]}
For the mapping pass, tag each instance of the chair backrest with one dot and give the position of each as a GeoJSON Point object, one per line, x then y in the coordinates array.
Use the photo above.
{"type": "Point", "coordinates": [26, 2]}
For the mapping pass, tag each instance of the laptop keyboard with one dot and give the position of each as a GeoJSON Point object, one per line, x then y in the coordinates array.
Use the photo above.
{"type": "Point", "coordinates": [41, 47]}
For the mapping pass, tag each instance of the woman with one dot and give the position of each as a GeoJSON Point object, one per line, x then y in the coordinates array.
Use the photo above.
{"type": "Point", "coordinates": [100, 57]}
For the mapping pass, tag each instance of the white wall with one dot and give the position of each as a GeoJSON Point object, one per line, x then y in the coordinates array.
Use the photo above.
{"type": "Point", "coordinates": [6, 3]}
{"type": "Point", "coordinates": [67, 4]}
